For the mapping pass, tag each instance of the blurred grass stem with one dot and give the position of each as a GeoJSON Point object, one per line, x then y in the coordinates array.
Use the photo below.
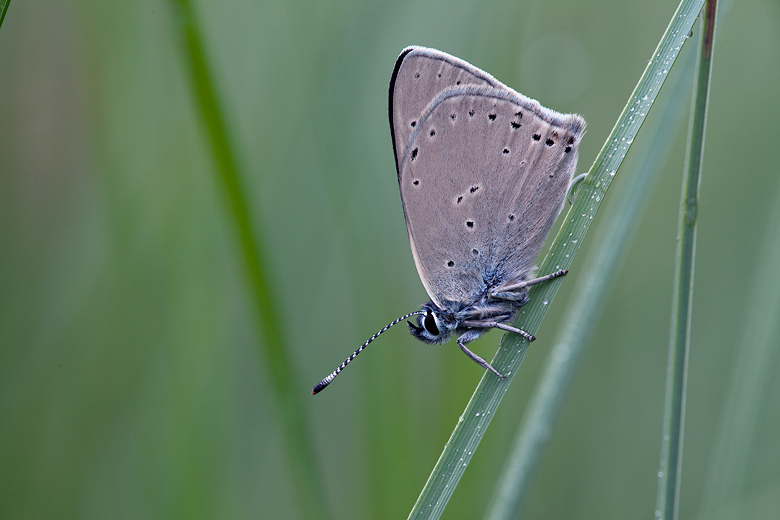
{"type": "Point", "coordinates": [273, 347]}
{"type": "Point", "coordinates": [3, 9]}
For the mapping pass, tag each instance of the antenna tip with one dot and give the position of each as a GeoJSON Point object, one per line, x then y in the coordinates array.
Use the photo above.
{"type": "Point", "coordinates": [317, 389]}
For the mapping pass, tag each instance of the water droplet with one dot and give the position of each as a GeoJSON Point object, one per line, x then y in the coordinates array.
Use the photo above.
{"type": "Point", "coordinates": [546, 301]}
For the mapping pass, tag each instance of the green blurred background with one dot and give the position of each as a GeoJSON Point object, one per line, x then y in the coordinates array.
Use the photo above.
{"type": "Point", "coordinates": [131, 385]}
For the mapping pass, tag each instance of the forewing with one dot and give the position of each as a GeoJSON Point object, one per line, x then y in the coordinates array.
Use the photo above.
{"type": "Point", "coordinates": [482, 179]}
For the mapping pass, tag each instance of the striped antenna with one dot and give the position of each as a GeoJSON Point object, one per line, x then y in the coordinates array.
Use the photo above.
{"type": "Point", "coordinates": [325, 382]}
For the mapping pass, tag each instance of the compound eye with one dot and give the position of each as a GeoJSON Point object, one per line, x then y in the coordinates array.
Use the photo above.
{"type": "Point", "coordinates": [429, 322]}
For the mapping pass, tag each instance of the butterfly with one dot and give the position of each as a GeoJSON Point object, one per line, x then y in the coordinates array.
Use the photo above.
{"type": "Point", "coordinates": [483, 172]}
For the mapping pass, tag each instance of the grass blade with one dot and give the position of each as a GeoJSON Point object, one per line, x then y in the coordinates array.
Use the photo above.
{"type": "Point", "coordinates": [3, 8]}
{"type": "Point", "coordinates": [672, 444]}
{"type": "Point", "coordinates": [273, 347]}
{"type": "Point", "coordinates": [488, 394]}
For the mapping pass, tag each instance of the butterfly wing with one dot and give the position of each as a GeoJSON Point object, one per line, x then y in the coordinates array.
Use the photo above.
{"type": "Point", "coordinates": [482, 177]}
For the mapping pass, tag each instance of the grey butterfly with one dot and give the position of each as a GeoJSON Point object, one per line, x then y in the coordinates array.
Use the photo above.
{"type": "Point", "coordinates": [483, 172]}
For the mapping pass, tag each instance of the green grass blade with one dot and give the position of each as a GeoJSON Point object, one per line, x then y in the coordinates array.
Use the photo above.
{"type": "Point", "coordinates": [594, 283]}
{"type": "Point", "coordinates": [488, 394]}
{"type": "Point", "coordinates": [273, 347]}
{"type": "Point", "coordinates": [674, 425]}
{"type": "Point", "coordinates": [3, 8]}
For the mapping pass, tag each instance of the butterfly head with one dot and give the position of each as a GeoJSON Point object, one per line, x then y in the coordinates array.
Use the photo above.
{"type": "Point", "coordinates": [434, 326]}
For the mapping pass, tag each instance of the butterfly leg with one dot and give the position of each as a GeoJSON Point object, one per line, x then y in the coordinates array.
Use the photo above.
{"type": "Point", "coordinates": [498, 292]}
{"type": "Point", "coordinates": [478, 360]}
{"type": "Point", "coordinates": [503, 326]}
{"type": "Point", "coordinates": [509, 328]}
